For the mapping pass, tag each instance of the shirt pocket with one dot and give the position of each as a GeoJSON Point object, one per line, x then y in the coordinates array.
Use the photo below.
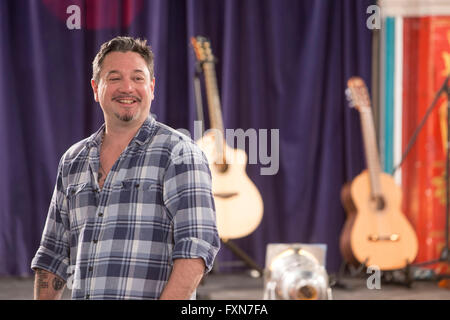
{"type": "Point", "coordinates": [139, 191]}
{"type": "Point", "coordinates": [80, 199]}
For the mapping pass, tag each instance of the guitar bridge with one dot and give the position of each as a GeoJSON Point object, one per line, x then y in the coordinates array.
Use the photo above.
{"type": "Point", "coordinates": [375, 237]}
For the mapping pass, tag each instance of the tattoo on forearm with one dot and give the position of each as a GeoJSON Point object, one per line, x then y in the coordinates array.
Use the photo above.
{"type": "Point", "coordinates": [42, 288]}
{"type": "Point", "coordinates": [40, 283]}
{"type": "Point", "coordinates": [42, 279]}
{"type": "Point", "coordinates": [57, 284]}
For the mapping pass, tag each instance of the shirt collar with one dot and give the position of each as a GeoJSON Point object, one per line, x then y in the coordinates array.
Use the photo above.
{"type": "Point", "coordinates": [143, 135]}
{"type": "Point", "coordinates": [146, 131]}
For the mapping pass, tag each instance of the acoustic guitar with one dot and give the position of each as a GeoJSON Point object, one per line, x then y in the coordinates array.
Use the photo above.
{"type": "Point", "coordinates": [239, 205]}
{"type": "Point", "coordinates": [376, 232]}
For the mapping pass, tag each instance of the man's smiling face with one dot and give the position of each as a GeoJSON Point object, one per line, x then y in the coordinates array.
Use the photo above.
{"type": "Point", "coordinates": [125, 89]}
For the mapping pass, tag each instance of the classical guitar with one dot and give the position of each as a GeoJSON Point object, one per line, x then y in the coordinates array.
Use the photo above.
{"type": "Point", "coordinates": [239, 206]}
{"type": "Point", "coordinates": [376, 232]}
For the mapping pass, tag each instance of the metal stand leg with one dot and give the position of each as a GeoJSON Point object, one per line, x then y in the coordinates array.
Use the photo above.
{"type": "Point", "coordinates": [243, 256]}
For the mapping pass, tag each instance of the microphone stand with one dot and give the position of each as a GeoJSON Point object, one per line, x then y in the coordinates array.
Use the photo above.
{"type": "Point", "coordinates": [445, 88]}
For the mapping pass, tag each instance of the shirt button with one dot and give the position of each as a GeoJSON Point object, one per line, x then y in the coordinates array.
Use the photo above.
{"type": "Point", "coordinates": [91, 268]}
{"type": "Point", "coordinates": [95, 241]}
{"type": "Point", "coordinates": [100, 214]}
{"type": "Point", "coordinates": [87, 296]}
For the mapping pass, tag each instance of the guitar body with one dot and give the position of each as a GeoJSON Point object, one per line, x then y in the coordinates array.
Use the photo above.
{"type": "Point", "coordinates": [239, 205]}
{"type": "Point", "coordinates": [376, 236]}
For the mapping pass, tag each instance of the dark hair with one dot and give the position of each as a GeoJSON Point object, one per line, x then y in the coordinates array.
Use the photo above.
{"type": "Point", "coordinates": [123, 44]}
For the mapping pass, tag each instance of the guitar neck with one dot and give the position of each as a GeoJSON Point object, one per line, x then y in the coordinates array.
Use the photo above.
{"type": "Point", "coordinates": [212, 93]}
{"type": "Point", "coordinates": [370, 145]}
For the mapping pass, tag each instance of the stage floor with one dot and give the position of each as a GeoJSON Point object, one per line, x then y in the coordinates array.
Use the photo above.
{"type": "Point", "coordinates": [241, 286]}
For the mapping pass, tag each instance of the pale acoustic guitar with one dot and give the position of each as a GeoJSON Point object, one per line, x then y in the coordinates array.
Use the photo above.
{"type": "Point", "coordinates": [376, 232]}
{"type": "Point", "coordinates": [239, 205]}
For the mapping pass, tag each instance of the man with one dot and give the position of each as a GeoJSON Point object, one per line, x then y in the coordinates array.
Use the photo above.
{"type": "Point", "coordinates": [132, 214]}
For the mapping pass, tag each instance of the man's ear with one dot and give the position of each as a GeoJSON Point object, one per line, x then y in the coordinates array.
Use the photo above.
{"type": "Point", "coordinates": [95, 89]}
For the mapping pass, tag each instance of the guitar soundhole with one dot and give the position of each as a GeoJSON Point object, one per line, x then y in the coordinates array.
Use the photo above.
{"type": "Point", "coordinates": [379, 203]}
{"type": "Point", "coordinates": [221, 167]}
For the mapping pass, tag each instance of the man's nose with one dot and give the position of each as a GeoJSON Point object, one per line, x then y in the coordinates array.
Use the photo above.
{"type": "Point", "coordinates": [126, 85]}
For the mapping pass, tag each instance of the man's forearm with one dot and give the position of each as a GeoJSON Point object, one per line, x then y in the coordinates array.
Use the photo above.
{"type": "Point", "coordinates": [184, 279]}
{"type": "Point", "coordinates": [47, 286]}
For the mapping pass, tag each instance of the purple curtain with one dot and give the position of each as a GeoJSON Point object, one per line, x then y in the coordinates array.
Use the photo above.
{"type": "Point", "coordinates": [281, 64]}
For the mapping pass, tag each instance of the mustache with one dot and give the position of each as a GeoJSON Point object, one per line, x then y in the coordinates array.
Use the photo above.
{"type": "Point", "coordinates": [127, 97]}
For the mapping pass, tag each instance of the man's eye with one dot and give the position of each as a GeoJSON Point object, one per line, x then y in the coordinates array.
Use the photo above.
{"type": "Point", "coordinates": [139, 78]}
{"type": "Point", "coordinates": [114, 79]}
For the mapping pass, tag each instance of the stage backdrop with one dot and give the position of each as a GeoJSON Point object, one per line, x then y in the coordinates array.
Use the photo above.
{"type": "Point", "coordinates": [280, 65]}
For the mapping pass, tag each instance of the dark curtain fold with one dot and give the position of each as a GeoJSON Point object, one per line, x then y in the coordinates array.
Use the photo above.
{"type": "Point", "coordinates": [281, 64]}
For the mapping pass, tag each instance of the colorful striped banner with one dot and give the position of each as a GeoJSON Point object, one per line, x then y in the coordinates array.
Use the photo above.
{"type": "Point", "coordinates": [388, 112]}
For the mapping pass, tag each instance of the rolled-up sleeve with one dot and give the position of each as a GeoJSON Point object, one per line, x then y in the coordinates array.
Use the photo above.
{"type": "Point", "coordinates": [189, 200]}
{"type": "Point", "coordinates": [54, 250]}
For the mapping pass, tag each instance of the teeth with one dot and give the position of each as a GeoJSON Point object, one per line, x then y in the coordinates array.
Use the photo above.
{"type": "Point", "coordinates": [126, 101]}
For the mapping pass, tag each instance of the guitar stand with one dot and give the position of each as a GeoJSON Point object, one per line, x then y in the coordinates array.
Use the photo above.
{"type": "Point", "coordinates": [336, 281]}
{"type": "Point", "coordinates": [403, 276]}
{"type": "Point", "coordinates": [243, 256]}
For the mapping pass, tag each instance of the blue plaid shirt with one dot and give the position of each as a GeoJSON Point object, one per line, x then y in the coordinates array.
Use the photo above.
{"type": "Point", "coordinates": [155, 206]}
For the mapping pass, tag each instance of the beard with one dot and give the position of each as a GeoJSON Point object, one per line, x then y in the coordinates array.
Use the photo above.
{"type": "Point", "coordinates": [127, 117]}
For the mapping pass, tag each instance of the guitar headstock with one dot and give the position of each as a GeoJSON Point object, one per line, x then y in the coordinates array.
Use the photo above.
{"type": "Point", "coordinates": [202, 49]}
{"type": "Point", "coordinates": [357, 93]}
